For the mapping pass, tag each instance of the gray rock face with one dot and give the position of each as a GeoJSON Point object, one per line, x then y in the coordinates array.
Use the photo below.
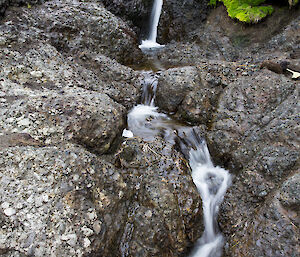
{"type": "Point", "coordinates": [41, 96]}
{"type": "Point", "coordinates": [177, 22]}
{"type": "Point", "coordinates": [62, 201]}
{"type": "Point", "coordinates": [249, 114]}
{"type": "Point", "coordinates": [174, 85]}
{"type": "Point", "coordinates": [77, 28]}
{"type": "Point", "coordinates": [179, 19]}
{"type": "Point", "coordinates": [254, 133]}
{"type": "Point", "coordinates": [4, 4]}
{"type": "Point", "coordinates": [289, 193]}
{"type": "Point", "coordinates": [63, 101]}
{"type": "Point", "coordinates": [166, 215]}
{"type": "Point", "coordinates": [190, 93]}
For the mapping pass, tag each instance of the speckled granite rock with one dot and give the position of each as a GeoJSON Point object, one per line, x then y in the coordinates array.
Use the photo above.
{"type": "Point", "coordinates": [77, 27]}
{"type": "Point", "coordinates": [254, 133]}
{"type": "Point", "coordinates": [64, 97]}
{"type": "Point", "coordinates": [40, 97]}
{"type": "Point", "coordinates": [62, 201]}
{"type": "Point", "coordinates": [191, 93]}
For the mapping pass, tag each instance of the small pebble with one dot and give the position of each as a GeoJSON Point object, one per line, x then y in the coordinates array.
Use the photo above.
{"type": "Point", "coordinates": [148, 214]}
{"type": "Point", "coordinates": [86, 242]}
{"type": "Point", "coordinates": [24, 122]}
{"type": "Point", "coordinates": [9, 211]}
{"type": "Point", "coordinates": [36, 74]}
{"type": "Point", "coordinates": [5, 205]}
{"type": "Point", "coordinates": [87, 231]}
{"type": "Point", "coordinates": [91, 215]}
{"type": "Point", "coordinates": [97, 226]}
{"type": "Point", "coordinates": [71, 239]}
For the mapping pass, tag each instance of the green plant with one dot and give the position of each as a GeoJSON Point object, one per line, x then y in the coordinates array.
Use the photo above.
{"type": "Point", "coordinates": [249, 11]}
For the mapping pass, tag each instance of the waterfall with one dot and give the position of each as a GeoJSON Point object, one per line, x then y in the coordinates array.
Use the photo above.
{"type": "Point", "coordinates": [145, 121]}
{"type": "Point", "coordinates": [155, 14]}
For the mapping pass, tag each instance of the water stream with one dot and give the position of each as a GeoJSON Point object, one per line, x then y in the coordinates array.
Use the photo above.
{"type": "Point", "coordinates": [145, 121]}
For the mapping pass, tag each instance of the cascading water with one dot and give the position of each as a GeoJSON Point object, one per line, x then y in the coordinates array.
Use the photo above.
{"type": "Point", "coordinates": [145, 121]}
{"type": "Point", "coordinates": [155, 14]}
{"type": "Point", "coordinates": [212, 183]}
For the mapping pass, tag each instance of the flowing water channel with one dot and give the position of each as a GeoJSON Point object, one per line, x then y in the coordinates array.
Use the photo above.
{"type": "Point", "coordinates": [145, 121]}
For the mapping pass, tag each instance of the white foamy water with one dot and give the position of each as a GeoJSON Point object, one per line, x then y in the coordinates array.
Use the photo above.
{"type": "Point", "coordinates": [151, 43]}
{"type": "Point", "coordinates": [145, 121]}
{"type": "Point", "coordinates": [212, 183]}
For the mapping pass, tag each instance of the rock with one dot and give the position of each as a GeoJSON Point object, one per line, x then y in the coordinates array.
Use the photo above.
{"type": "Point", "coordinates": [9, 211]}
{"type": "Point", "coordinates": [190, 92]}
{"type": "Point", "coordinates": [179, 19]}
{"type": "Point", "coordinates": [289, 193]}
{"type": "Point", "coordinates": [119, 82]}
{"type": "Point", "coordinates": [97, 227]}
{"type": "Point", "coordinates": [174, 85]}
{"type": "Point", "coordinates": [76, 28]}
{"type": "Point", "coordinates": [136, 11]}
{"type": "Point", "coordinates": [134, 193]}
{"type": "Point", "coordinates": [295, 54]}
{"type": "Point", "coordinates": [87, 231]}
{"type": "Point", "coordinates": [70, 238]}
{"type": "Point", "coordinates": [177, 22]}
{"type": "Point", "coordinates": [4, 4]}
{"type": "Point", "coordinates": [60, 117]}
{"type": "Point", "coordinates": [254, 137]}
{"type": "Point", "coordinates": [166, 200]}
{"type": "Point", "coordinates": [5, 205]}
{"type": "Point", "coordinates": [221, 38]}
{"type": "Point", "coordinates": [86, 242]}
{"type": "Point", "coordinates": [247, 109]}
{"type": "Point", "coordinates": [273, 66]}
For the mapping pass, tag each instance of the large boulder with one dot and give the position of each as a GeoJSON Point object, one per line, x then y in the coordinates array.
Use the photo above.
{"type": "Point", "coordinates": [63, 200]}
{"type": "Point", "coordinates": [191, 92]}
{"type": "Point", "coordinates": [76, 28]}
{"type": "Point", "coordinates": [254, 110]}
{"type": "Point", "coordinates": [254, 134]}
{"type": "Point", "coordinates": [45, 96]}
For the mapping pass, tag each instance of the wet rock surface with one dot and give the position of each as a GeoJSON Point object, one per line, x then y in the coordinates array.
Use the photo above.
{"type": "Point", "coordinates": [60, 201]}
{"type": "Point", "coordinates": [178, 21]}
{"type": "Point", "coordinates": [76, 28]}
{"type": "Point", "coordinates": [253, 132]}
{"type": "Point", "coordinates": [136, 12]}
{"type": "Point", "coordinates": [64, 95]}
{"type": "Point", "coordinates": [191, 93]}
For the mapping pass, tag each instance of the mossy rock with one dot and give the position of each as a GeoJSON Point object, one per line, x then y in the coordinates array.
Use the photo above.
{"type": "Point", "coordinates": [248, 11]}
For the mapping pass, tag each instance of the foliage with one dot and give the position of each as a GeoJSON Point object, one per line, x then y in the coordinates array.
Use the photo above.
{"type": "Point", "coordinates": [249, 11]}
